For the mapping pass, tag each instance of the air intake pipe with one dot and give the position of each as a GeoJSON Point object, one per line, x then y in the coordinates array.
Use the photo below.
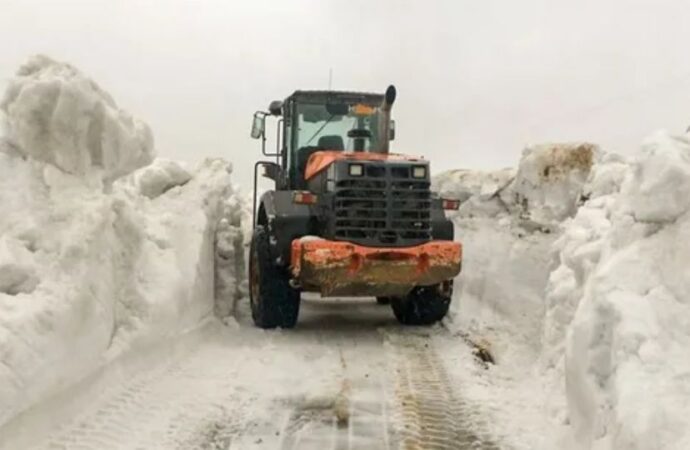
{"type": "Point", "coordinates": [385, 120]}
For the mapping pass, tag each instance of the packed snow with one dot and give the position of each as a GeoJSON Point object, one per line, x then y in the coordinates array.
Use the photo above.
{"type": "Point", "coordinates": [100, 252]}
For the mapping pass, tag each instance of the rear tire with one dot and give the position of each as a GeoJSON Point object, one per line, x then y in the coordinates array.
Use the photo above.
{"type": "Point", "coordinates": [274, 302]}
{"type": "Point", "coordinates": [424, 305]}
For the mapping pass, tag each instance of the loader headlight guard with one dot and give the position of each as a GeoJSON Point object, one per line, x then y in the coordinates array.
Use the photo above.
{"type": "Point", "coordinates": [419, 172]}
{"type": "Point", "coordinates": [356, 170]}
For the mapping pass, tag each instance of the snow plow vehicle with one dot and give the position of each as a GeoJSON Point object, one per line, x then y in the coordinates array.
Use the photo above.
{"type": "Point", "coordinates": [346, 217]}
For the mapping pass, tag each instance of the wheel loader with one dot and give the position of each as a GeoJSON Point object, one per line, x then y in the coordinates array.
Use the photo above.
{"type": "Point", "coordinates": [346, 216]}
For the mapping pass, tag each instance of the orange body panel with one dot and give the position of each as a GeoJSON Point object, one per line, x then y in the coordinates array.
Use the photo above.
{"type": "Point", "coordinates": [321, 160]}
{"type": "Point", "coordinates": [343, 268]}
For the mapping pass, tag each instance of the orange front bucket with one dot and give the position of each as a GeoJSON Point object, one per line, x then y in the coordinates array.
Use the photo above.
{"type": "Point", "coordinates": [341, 268]}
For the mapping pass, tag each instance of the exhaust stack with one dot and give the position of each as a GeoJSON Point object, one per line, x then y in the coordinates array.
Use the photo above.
{"type": "Point", "coordinates": [385, 120]}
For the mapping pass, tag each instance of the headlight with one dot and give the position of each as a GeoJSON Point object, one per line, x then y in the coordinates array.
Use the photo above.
{"type": "Point", "coordinates": [419, 172]}
{"type": "Point", "coordinates": [356, 170]}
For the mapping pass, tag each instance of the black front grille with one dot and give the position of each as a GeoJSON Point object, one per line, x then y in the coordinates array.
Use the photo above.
{"type": "Point", "coordinates": [383, 207]}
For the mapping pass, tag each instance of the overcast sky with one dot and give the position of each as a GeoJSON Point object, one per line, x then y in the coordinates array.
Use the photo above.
{"type": "Point", "coordinates": [477, 80]}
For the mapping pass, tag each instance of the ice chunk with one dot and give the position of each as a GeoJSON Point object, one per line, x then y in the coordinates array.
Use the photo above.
{"type": "Point", "coordinates": [549, 181]}
{"type": "Point", "coordinates": [160, 176]}
{"type": "Point", "coordinates": [660, 187]}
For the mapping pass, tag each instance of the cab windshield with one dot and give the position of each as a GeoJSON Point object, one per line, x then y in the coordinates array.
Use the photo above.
{"type": "Point", "coordinates": [346, 127]}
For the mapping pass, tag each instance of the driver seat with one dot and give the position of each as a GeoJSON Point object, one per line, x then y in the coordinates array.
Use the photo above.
{"type": "Point", "coordinates": [331, 142]}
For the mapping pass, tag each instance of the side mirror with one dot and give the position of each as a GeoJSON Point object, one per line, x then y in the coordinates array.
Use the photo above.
{"type": "Point", "coordinates": [391, 131]}
{"type": "Point", "coordinates": [258, 125]}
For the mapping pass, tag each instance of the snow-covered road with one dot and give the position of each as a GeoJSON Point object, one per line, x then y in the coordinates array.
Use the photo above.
{"type": "Point", "coordinates": [349, 377]}
{"type": "Point", "coordinates": [116, 267]}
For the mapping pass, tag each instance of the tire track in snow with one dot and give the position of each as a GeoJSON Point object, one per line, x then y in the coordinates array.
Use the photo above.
{"type": "Point", "coordinates": [348, 378]}
{"type": "Point", "coordinates": [180, 404]}
{"type": "Point", "coordinates": [350, 419]}
{"type": "Point", "coordinates": [429, 412]}
{"type": "Point", "coordinates": [352, 411]}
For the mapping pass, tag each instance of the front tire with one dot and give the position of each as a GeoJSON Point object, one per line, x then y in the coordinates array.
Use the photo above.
{"type": "Point", "coordinates": [274, 302]}
{"type": "Point", "coordinates": [424, 305]}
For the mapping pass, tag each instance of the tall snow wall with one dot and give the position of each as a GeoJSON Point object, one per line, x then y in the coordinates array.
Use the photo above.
{"type": "Point", "coordinates": [103, 249]}
{"type": "Point", "coordinates": [586, 270]}
{"type": "Point", "coordinates": [507, 222]}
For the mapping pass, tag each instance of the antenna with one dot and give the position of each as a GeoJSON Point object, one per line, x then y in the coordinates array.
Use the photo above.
{"type": "Point", "coordinates": [330, 78]}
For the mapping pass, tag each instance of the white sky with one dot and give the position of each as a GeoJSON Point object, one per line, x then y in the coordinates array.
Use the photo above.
{"type": "Point", "coordinates": [477, 80]}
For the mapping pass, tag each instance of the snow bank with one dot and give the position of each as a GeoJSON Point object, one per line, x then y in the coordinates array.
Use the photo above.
{"type": "Point", "coordinates": [626, 367]}
{"type": "Point", "coordinates": [579, 280]}
{"type": "Point", "coordinates": [231, 245]}
{"type": "Point", "coordinates": [57, 115]}
{"type": "Point", "coordinates": [87, 272]}
{"type": "Point", "coordinates": [507, 222]}
{"type": "Point", "coordinates": [577, 252]}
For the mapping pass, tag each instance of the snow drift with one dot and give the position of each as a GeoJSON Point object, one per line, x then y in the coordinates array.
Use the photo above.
{"type": "Point", "coordinates": [580, 282]}
{"type": "Point", "coordinates": [94, 264]}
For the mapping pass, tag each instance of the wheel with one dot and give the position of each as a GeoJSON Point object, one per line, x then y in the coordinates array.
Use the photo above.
{"type": "Point", "coordinates": [274, 302]}
{"type": "Point", "coordinates": [424, 305]}
{"type": "Point", "coordinates": [383, 300]}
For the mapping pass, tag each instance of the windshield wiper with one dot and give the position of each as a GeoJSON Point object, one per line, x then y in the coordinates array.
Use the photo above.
{"type": "Point", "coordinates": [319, 130]}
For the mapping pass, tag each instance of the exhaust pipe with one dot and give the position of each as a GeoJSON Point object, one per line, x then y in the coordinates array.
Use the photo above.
{"type": "Point", "coordinates": [385, 120]}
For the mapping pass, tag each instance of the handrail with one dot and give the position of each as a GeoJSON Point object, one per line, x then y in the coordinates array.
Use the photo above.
{"type": "Point", "coordinates": [256, 183]}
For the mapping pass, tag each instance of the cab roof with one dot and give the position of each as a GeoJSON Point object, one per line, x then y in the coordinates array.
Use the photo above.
{"type": "Point", "coordinates": [344, 96]}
